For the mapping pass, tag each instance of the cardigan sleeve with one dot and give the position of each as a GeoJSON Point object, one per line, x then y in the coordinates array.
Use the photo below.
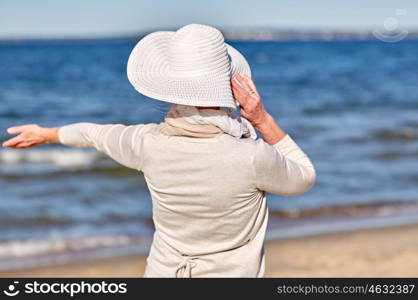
{"type": "Point", "coordinates": [122, 143]}
{"type": "Point", "coordinates": [283, 169]}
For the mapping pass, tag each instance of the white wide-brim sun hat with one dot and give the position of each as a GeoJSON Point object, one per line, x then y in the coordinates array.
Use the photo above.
{"type": "Point", "coordinates": [190, 66]}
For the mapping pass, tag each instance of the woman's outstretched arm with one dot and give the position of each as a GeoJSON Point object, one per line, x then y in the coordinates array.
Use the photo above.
{"type": "Point", "coordinates": [122, 143]}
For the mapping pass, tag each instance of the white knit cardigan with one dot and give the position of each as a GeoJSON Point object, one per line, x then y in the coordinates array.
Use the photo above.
{"type": "Point", "coordinates": [209, 194]}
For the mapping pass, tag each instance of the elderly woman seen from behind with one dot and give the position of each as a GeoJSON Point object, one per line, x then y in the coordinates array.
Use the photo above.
{"type": "Point", "coordinates": [207, 172]}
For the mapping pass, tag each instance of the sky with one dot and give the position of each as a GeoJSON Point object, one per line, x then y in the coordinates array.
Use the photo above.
{"type": "Point", "coordinates": [107, 18]}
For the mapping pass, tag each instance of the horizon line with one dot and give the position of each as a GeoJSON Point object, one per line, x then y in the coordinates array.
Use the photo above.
{"type": "Point", "coordinates": [230, 33]}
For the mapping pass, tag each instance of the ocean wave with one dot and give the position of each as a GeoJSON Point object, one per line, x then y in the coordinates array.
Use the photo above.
{"type": "Point", "coordinates": [100, 170]}
{"type": "Point", "coordinates": [57, 157]}
{"type": "Point", "coordinates": [406, 134]}
{"type": "Point", "coordinates": [25, 222]}
{"type": "Point", "coordinates": [353, 210]}
{"type": "Point", "coordinates": [56, 163]}
{"type": "Point", "coordinates": [393, 155]}
{"type": "Point", "coordinates": [32, 247]}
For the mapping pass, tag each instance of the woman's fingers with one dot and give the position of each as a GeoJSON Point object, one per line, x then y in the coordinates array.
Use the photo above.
{"type": "Point", "coordinates": [250, 82]}
{"type": "Point", "coordinates": [24, 144]}
{"type": "Point", "coordinates": [13, 141]}
{"type": "Point", "coordinates": [236, 80]}
{"type": "Point", "coordinates": [243, 83]}
{"type": "Point", "coordinates": [14, 130]}
{"type": "Point", "coordinates": [21, 141]}
{"type": "Point", "coordinates": [237, 86]}
{"type": "Point", "coordinates": [31, 135]}
{"type": "Point", "coordinates": [246, 85]}
{"type": "Point", "coordinates": [245, 92]}
{"type": "Point", "coordinates": [239, 82]}
{"type": "Point", "coordinates": [237, 89]}
{"type": "Point", "coordinates": [238, 92]}
{"type": "Point", "coordinates": [19, 129]}
{"type": "Point", "coordinates": [248, 89]}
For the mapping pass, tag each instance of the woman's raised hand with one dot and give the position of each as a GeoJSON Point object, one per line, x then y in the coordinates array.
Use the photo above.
{"type": "Point", "coordinates": [30, 136]}
{"type": "Point", "coordinates": [245, 92]}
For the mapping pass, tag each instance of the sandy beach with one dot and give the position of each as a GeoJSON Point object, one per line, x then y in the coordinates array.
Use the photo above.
{"type": "Point", "coordinates": [387, 252]}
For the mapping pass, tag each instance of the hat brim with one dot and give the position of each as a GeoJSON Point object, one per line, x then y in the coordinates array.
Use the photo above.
{"type": "Point", "coordinates": [149, 73]}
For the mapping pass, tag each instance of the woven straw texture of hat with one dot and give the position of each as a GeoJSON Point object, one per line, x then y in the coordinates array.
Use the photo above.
{"type": "Point", "coordinates": [191, 66]}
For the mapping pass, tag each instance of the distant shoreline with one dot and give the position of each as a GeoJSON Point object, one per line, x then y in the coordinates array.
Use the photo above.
{"type": "Point", "coordinates": [238, 35]}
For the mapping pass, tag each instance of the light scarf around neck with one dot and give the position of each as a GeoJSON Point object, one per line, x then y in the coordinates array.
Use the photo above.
{"type": "Point", "coordinates": [208, 122]}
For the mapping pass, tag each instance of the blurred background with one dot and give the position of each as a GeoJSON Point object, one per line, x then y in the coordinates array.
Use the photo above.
{"type": "Point", "coordinates": [340, 77]}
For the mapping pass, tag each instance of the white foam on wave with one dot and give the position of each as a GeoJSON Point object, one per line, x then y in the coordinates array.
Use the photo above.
{"type": "Point", "coordinates": [58, 157]}
{"type": "Point", "coordinates": [32, 247]}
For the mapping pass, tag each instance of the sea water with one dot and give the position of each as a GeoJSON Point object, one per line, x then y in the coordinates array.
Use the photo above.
{"type": "Point", "coordinates": [351, 106]}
